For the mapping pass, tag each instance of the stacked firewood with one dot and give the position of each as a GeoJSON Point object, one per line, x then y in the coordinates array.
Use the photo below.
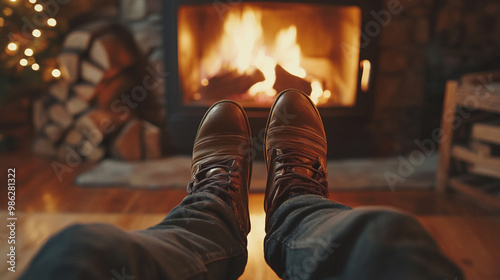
{"type": "Point", "coordinates": [91, 112]}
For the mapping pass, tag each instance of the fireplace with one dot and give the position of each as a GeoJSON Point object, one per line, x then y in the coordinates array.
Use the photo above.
{"type": "Point", "coordinates": [250, 51]}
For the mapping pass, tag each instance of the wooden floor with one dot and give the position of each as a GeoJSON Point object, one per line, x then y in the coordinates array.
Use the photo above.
{"type": "Point", "coordinates": [470, 235]}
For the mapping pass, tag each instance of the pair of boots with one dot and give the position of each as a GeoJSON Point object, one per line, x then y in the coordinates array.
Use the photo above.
{"type": "Point", "coordinates": [295, 152]}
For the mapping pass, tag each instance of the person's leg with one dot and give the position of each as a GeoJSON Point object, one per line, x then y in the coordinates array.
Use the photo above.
{"type": "Point", "coordinates": [311, 237]}
{"type": "Point", "coordinates": [203, 238]}
{"type": "Point", "coordinates": [199, 239]}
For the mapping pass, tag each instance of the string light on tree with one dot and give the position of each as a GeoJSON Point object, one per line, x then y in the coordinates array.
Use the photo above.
{"type": "Point", "coordinates": [12, 46]}
{"type": "Point", "coordinates": [23, 62]}
{"type": "Point", "coordinates": [18, 49]}
{"type": "Point", "coordinates": [36, 33]}
{"type": "Point", "coordinates": [28, 52]}
{"type": "Point", "coordinates": [56, 73]}
{"type": "Point", "coordinates": [51, 22]}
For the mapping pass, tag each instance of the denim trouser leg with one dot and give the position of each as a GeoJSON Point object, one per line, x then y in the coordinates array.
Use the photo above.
{"type": "Point", "coordinates": [199, 239]}
{"type": "Point", "coordinates": [310, 237]}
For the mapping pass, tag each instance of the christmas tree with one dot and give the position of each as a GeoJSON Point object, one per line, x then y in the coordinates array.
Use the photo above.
{"type": "Point", "coordinates": [30, 33]}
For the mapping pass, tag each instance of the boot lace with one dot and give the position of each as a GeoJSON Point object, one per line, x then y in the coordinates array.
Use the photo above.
{"type": "Point", "coordinates": [291, 181]}
{"type": "Point", "coordinates": [218, 178]}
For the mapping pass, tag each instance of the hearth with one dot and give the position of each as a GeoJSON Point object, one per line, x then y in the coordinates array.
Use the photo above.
{"type": "Point", "coordinates": [250, 51]}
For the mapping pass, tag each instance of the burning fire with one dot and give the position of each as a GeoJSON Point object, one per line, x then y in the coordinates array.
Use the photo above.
{"type": "Point", "coordinates": [241, 48]}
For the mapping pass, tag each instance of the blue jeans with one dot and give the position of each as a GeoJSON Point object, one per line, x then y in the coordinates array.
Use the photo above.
{"type": "Point", "coordinates": [309, 237]}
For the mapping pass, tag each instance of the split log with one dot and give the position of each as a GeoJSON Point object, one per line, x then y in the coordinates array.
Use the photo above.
{"type": "Point", "coordinates": [59, 115]}
{"type": "Point", "coordinates": [84, 91]}
{"type": "Point", "coordinates": [73, 137]}
{"type": "Point", "coordinates": [75, 106]}
{"type": "Point", "coordinates": [40, 116]}
{"type": "Point", "coordinates": [69, 63]}
{"type": "Point", "coordinates": [110, 51]}
{"type": "Point", "coordinates": [110, 89]}
{"type": "Point", "coordinates": [79, 40]}
{"type": "Point", "coordinates": [152, 141]}
{"type": "Point", "coordinates": [53, 132]}
{"type": "Point", "coordinates": [90, 151]}
{"type": "Point", "coordinates": [91, 72]}
{"type": "Point", "coordinates": [285, 80]}
{"type": "Point", "coordinates": [59, 90]}
{"type": "Point", "coordinates": [96, 155]}
{"type": "Point", "coordinates": [98, 124]}
{"type": "Point", "coordinates": [137, 140]}
{"type": "Point", "coordinates": [230, 83]}
{"type": "Point", "coordinates": [128, 146]}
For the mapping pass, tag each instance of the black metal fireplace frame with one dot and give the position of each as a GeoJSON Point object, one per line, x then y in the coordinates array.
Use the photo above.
{"type": "Point", "coordinates": [351, 122]}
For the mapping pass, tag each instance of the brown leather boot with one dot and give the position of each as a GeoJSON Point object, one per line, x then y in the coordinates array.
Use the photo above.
{"type": "Point", "coordinates": [222, 161]}
{"type": "Point", "coordinates": [295, 150]}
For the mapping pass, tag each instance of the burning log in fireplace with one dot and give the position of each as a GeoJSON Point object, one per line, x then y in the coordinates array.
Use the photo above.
{"type": "Point", "coordinates": [257, 50]}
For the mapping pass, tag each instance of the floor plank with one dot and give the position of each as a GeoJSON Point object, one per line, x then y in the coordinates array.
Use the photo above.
{"type": "Point", "coordinates": [465, 232]}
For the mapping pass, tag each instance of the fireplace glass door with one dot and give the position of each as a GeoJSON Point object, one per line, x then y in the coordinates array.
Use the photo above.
{"type": "Point", "coordinates": [252, 51]}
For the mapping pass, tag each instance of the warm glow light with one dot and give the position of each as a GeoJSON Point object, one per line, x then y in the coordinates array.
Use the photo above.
{"type": "Point", "coordinates": [35, 66]}
{"type": "Point", "coordinates": [2, 21]}
{"type": "Point", "coordinates": [51, 22]}
{"type": "Point", "coordinates": [32, 1]}
{"type": "Point", "coordinates": [23, 62]}
{"type": "Point", "coordinates": [248, 53]}
{"type": "Point", "coordinates": [365, 77]}
{"type": "Point", "coordinates": [317, 91]}
{"type": "Point", "coordinates": [36, 33]}
{"type": "Point", "coordinates": [12, 46]}
{"type": "Point", "coordinates": [56, 73]}
{"type": "Point", "coordinates": [28, 52]}
{"type": "Point", "coordinates": [12, 0]}
{"type": "Point", "coordinates": [7, 11]}
{"type": "Point", "coordinates": [288, 52]}
{"type": "Point", "coordinates": [38, 8]}
{"type": "Point", "coordinates": [258, 52]}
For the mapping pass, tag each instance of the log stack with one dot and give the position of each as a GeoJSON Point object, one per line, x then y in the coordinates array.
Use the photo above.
{"type": "Point", "coordinates": [84, 114]}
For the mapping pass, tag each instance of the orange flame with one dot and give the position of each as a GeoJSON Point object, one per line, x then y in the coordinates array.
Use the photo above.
{"type": "Point", "coordinates": [248, 52]}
